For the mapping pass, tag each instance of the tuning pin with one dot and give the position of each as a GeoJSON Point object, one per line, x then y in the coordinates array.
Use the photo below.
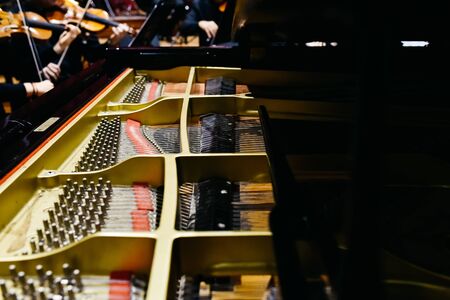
{"type": "Point", "coordinates": [3, 288]}
{"type": "Point", "coordinates": [90, 193]}
{"type": "Point", "coordinates": [100, 181]}
{"type": "Point", "coordinates": [104, 206]}
{"type": "Point", "coordinates": [87, 222]}
{"type": "Point", "coordinates": [105, 200]}
{"type": "Point", "coordinates": [54, 229]}
{"type": "Point", "coordinates": [67, 223]}
{"type": "Point", "coordinates": [46, 225]}
{"type": "Point", "coordinates": [62, 236]}
{"type": "Point", "coordinates": [41, 293]}
{"type": "Point", "coordinates": [76, 186]}
{"type": "Point", "coordinates": [82, 190]}
{"type": "Point", "coordinates": [101, 217]}
{"type": "Point", "coordinates": [94, 203]}
{"type": "Point", "coordinates": [13, 273]}
{"type": "Point", "coordinates": [67, 270]}
{"type": "Point", "coordinates": [85, 182]}
{"type": "Point", "coordinates": [57, 208]}
{"type": "Point", "coordinates": [84, 230]}
{"type": "Point", "coordinates": [83, 207]}
{"type": "Point", "coordinates": [71, 236]}
{"type": "Point", "coordinates": [48, 237]}
{"type": "Point", "coordinates": [49, 277]}
{"type": "Point", "coordinates": [71, 212]}
{"type": "Point", "coordinates": [56, 243]}
{"type": "Point", "coordinates": [64, 210]}
{"type": "Point", "coordinates": [76, 228]}
{"type": "Point", "coordinates": [92, 213]}
{"type": "Point", "coordinates": [41, 274]}
{"type": "Point", "coordinates": [98, 226]}
{"type": "Point", "coordinates": [22, 278]}
{"type": "Point", "coordinates": [30, 286]}
{"type": "Point", "coordinates": [99, 188]}
{"type": "Point", "coordinates": [60, 218]}
{"type": "Point", "coordinates": [33, 246]}
{"type": "Point", "coordinates": [59, 289]}
{"type": "Point", "coordinates": [62, 201]}
{"type": "Point", "coordinates": [107, 192]}
{"type": "Point", "coordinates": [77, 276]}
{"type": "Point", "coordinates": [75, 205]}
{"type": "Point", "coordinates": [40, 234]}
{"type": "Point", "coordinates": [69, 182]}
{"type": "Point", "coordinates": [79, 197]}
{"type": "Point", "coordinates": [51, 215]}
{"type": "Point", "coordinates": [65, 191]}
{"type": "Point", "coordinates": [70, 292]}
{"type": "Point", "coordinates": [65, 282]}
{"type": "Point", "coordinates": [12, 295]}
{"type": "Point", "coordinates": [41, 246]}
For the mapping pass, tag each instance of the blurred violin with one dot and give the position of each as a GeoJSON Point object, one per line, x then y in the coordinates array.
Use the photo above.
{"type": "Point", "coordinates": [94, 19]}
{"type": "Point", "coordinates": [223, 6]}
{"type": "Point", "coordinates": [38, 26]}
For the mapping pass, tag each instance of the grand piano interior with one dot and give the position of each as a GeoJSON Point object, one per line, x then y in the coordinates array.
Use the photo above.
{"type": "Point", "coordinates": [306, 158]}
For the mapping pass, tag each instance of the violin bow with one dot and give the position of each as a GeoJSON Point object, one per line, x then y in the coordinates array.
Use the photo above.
{"type": "Point", "coordinates": [34, 53]}
{"type": "Point", "coordinates": [63, 55]}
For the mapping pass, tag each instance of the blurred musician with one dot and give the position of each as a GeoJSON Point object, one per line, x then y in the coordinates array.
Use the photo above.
{"type": "Point", "coordinates": [85, 49]}
{"type": "Point", "coordinates": [18, 94]}
{"type": "Point", "coordinates": [17, 63]}
{"type": "Point", "coordinates": [204, 20]}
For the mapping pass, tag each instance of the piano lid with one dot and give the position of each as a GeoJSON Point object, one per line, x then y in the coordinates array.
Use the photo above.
{"type": "Point", "coordinates": [324, 36]}
{"type": "Point", "coordinates": [286, 20]}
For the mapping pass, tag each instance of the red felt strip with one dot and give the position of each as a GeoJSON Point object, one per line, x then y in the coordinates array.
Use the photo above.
{"type": "Point", "coordinates": [120, 285]}
{"type": "Point", "coordinates": [144, 204]}
{"type": "Point", "coordinates": [143, 196]}
{"type": "Point", "coordinates": [153, 89]}
{"type": "Point", "coordinates": [140, 222]}
{"type": "Point", "coordinates": [140, 143]}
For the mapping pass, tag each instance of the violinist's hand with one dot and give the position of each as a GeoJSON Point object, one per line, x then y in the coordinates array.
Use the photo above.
{"type": "Point", "coordinates": [66, 38]}
{"type": "Point", "coordinates": [43, 87]}
{"type": "Point", "coordinates": [34, 89]}
{"type": "Point", "coordinates": [209, 27]}
{"type": "Point", "coordinates": [52, 72]}
{"type": "Point", "coordinates": [118, 34]}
